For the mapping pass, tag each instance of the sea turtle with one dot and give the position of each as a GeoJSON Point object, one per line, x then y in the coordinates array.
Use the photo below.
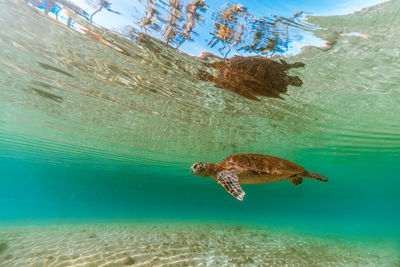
{"type": "Point", "coordinates": [251, 76]}
{"type": "Point", "coordinates": [252, 169]}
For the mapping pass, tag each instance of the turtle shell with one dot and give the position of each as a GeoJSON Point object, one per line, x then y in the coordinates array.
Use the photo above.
{"type": "Point", "coordinates": [263, 164]}
{"type": "Point", "coordinates": [252, 76]}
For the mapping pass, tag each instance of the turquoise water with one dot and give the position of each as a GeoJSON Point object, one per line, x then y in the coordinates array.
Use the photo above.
{"type": "Point", "coordinates": [356, 202]}
{"type": "Point", "coordinates": [90, 134]}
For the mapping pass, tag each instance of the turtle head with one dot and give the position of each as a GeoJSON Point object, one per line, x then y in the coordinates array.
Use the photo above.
{"type": "Point", "coordinates": [202, 169]}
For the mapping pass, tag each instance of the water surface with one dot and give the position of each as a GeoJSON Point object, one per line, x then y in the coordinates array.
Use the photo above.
{"type": "Point", "coordinates": [99, 127]}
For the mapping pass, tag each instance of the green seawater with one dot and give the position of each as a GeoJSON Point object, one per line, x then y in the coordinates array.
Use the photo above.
{"type": "Point", "coordinates": [90, 135]}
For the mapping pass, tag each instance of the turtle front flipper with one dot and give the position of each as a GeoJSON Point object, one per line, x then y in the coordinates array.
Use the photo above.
{"type": "Point", "coordinates": [230, 181]}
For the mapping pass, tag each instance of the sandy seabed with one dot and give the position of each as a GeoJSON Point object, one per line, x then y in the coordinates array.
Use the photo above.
{"type": "Point", "coordinates": [181, 245]}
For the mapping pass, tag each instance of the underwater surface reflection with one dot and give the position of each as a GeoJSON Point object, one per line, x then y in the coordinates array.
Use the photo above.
{"type": "Point", "coordinates": [102, 117]}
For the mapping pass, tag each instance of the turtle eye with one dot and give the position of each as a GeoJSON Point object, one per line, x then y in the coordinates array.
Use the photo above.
{"type": "Point", "coordinates": [202, 167]}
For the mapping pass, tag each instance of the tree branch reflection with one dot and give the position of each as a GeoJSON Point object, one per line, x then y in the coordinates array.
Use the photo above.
{"type": "Point", "coordinates": [234, 26]}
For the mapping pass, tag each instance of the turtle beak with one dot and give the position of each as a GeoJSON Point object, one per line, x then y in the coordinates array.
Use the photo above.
{"type": "Point", "coordinates": [191, 170]}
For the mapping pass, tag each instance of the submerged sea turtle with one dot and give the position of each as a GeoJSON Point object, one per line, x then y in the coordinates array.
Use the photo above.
{"type": "Point", "coordinates": [251, 76]}
{"type": "Point", "coordinates": [252, 169]}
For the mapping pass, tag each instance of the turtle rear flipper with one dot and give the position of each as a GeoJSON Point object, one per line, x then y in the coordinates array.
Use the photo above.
{"type": "Point", "coordinates": [230, 181]}
{"type": "Point", "coordinates": [314, 175]}
{"type": "Point", "coordinates": [288, 66]}
{"type": "Point", "coordinates": [296, 180]}
{"type": "Point", "coordinates": [295, 81]}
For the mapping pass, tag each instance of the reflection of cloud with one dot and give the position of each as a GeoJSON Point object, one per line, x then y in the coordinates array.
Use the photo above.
{"type": "Point", "coordinates": [193, 48]}
{"type": "Point", "coordinates": [356, 34]}
{"type": "Point", "coordinates": [308, 39]}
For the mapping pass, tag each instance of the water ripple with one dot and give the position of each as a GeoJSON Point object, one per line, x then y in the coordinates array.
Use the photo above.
{"type": "Point", "coordinates": [70, 93]}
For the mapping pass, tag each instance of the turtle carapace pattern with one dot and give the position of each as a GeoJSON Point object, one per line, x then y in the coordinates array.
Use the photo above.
{"type": "Point", "coordinates": [252, 76]}
{"type": "Point", "coordinates": [252, 169]}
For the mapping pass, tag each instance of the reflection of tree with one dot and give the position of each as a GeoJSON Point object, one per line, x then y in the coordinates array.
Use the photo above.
{"type": "Point", "coordinates": [100, 4]}
{"type": "Point", "coordinates": [151, 16]}
{"type": "Point", "coordinates": [173, 28]}
{"type": "Point", "coordinates": [176, 20]}
{"type": "Point", "coordinates": [270, 35]}
{"type": "Point", "coordinates": [192, 16]}
{"type": "Point", "coordinates": [230, 26]}
{"type": "Point", "coordinates": [234, 26]}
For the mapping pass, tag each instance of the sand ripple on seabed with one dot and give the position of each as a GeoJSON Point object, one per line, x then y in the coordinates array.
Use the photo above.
{"type": "Point", "coordinates": [178, 245]}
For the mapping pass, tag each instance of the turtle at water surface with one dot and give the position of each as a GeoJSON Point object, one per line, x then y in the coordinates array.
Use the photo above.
{"type": "Point", "coordinates": [251, 76]}
{"type": "Point", "coordinates": [252, 169]}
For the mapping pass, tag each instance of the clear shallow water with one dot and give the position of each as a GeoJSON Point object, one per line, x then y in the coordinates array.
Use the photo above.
{"type": "Point", "coordinates": [183, 245]}
{"type": "Point", "coordinates": [88, 133]}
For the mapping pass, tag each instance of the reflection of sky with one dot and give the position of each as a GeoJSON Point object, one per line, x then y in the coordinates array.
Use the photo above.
{"type": "Point", "coordinates": [287, 8]}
